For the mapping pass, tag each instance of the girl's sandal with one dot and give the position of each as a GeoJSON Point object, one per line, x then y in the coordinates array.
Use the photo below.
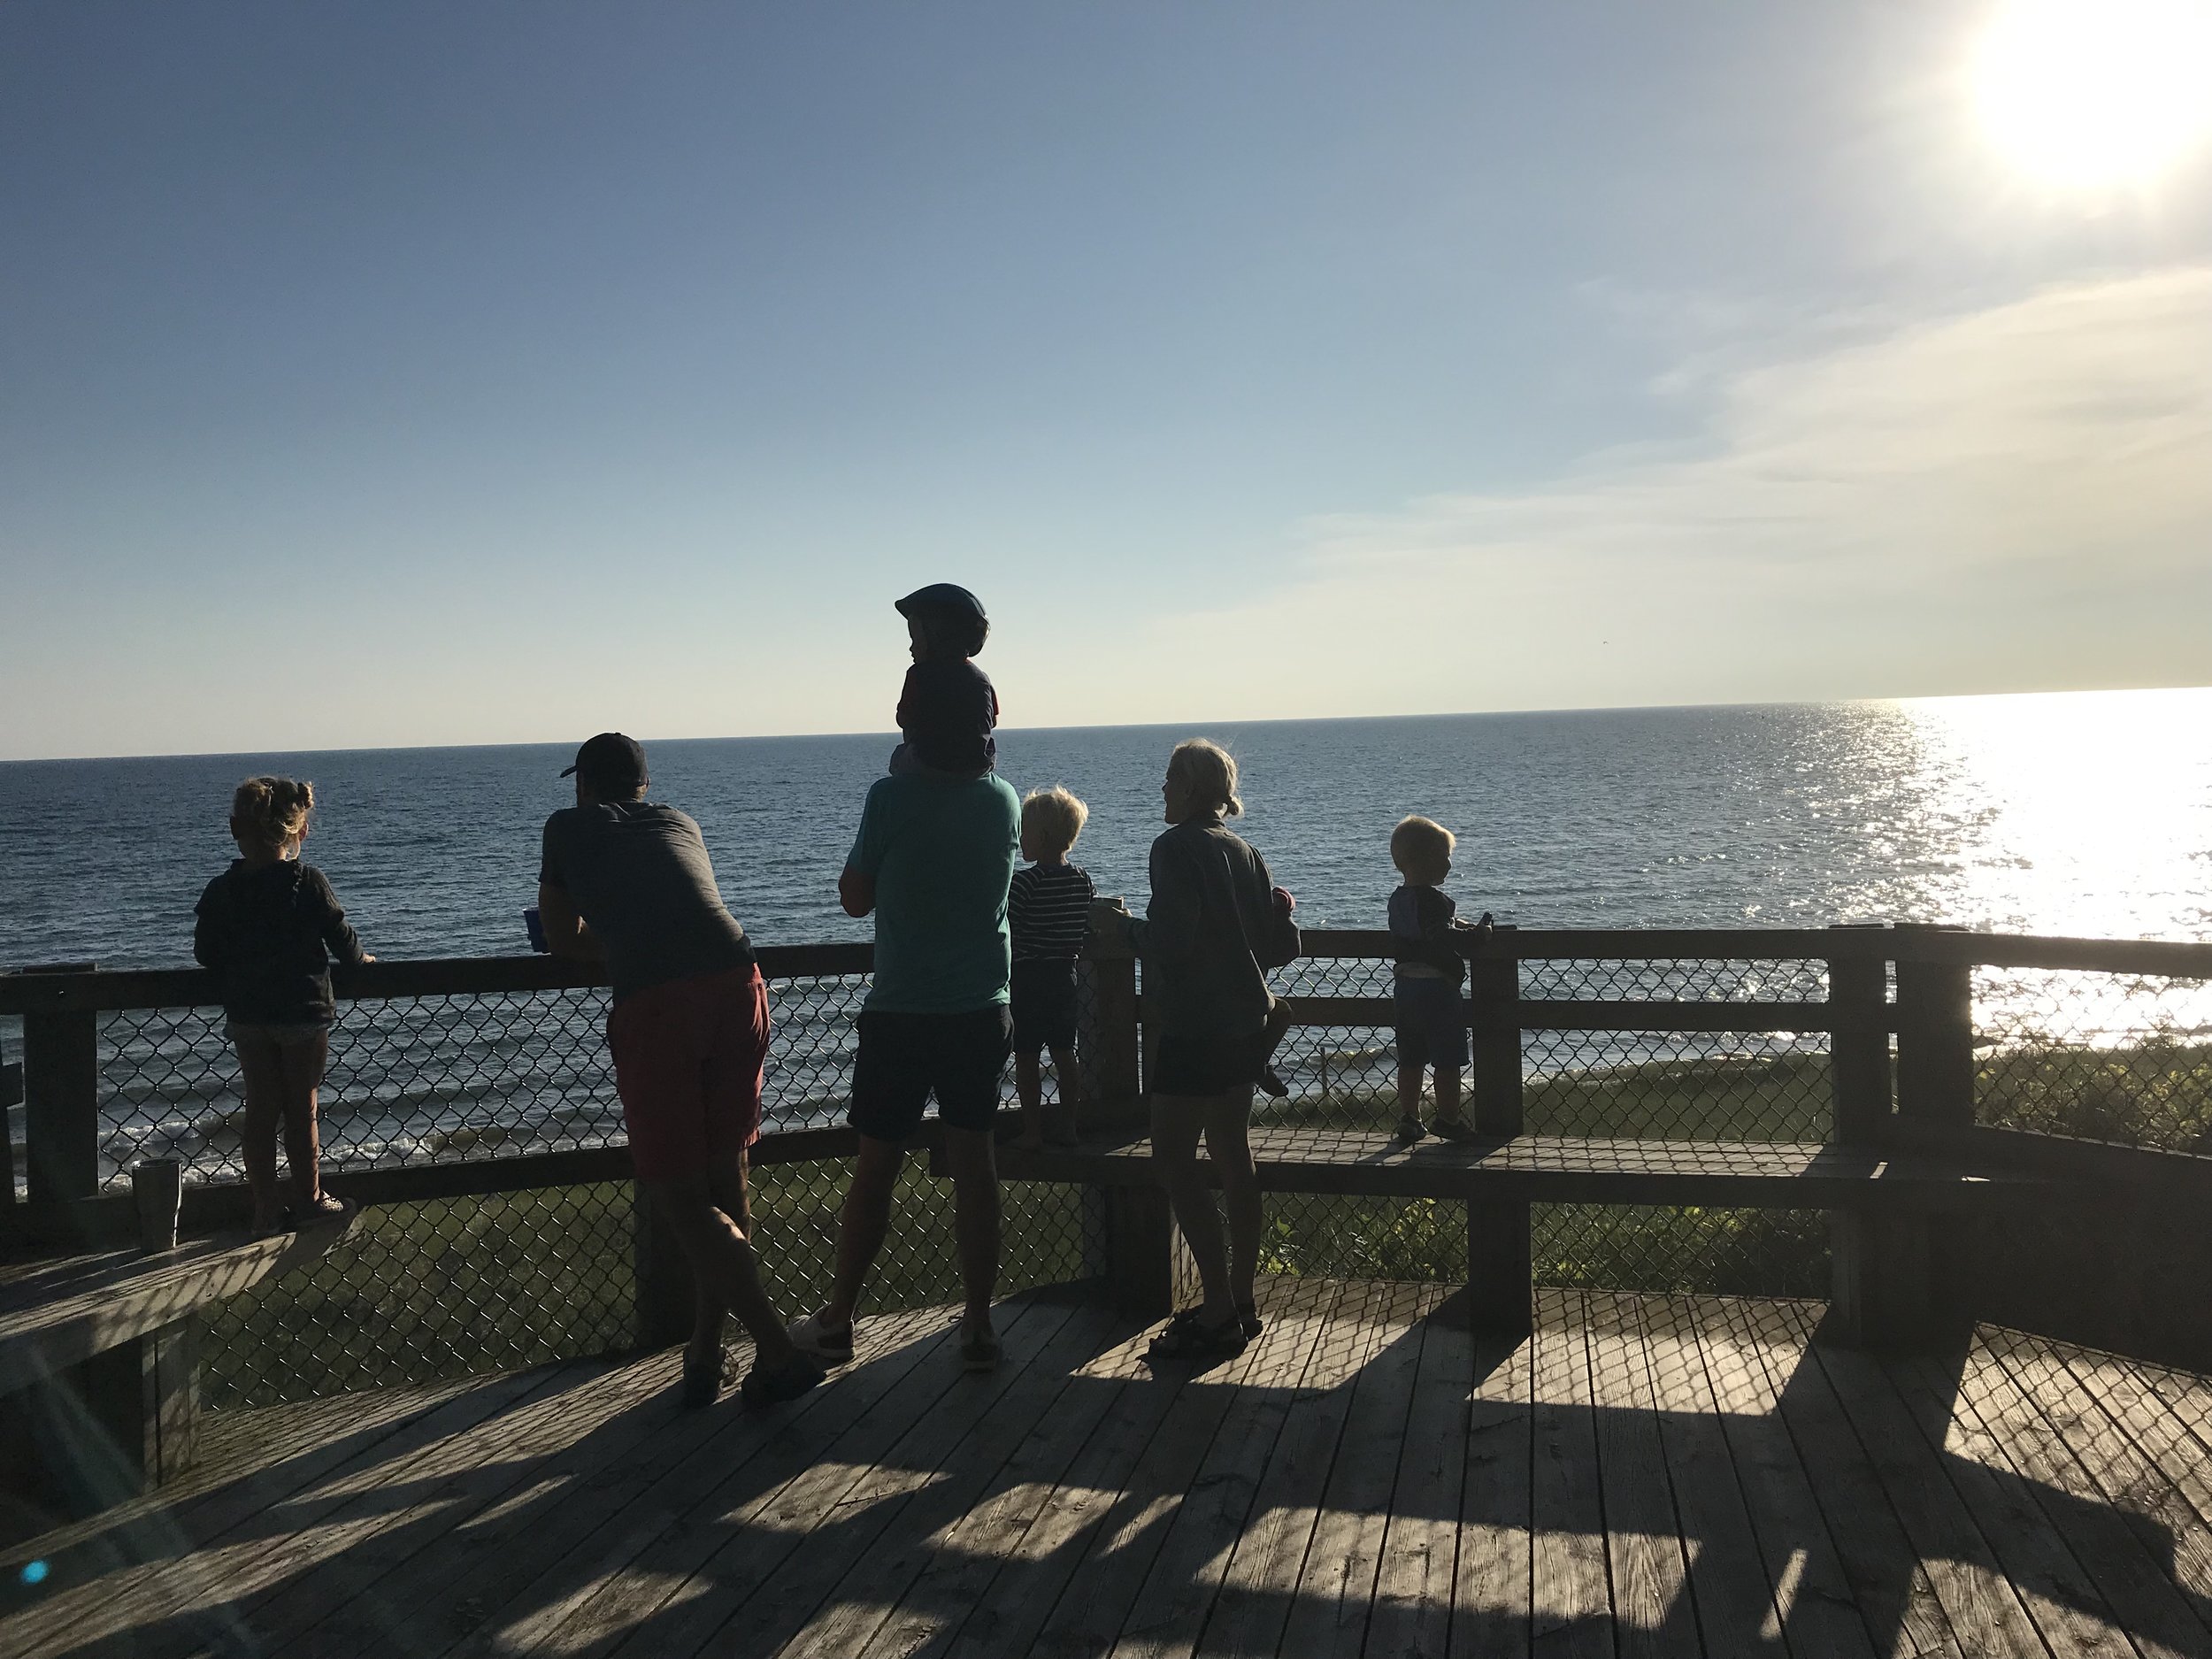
{"type": "Point", "coordinates": [327, 1208]}
{"type": "Point", "coordinates": [1189, 1338]}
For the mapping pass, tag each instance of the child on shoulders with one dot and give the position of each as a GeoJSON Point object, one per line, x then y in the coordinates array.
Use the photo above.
{"type": "Point", "coordinates": [268, 926]}
{"type": "Point", "coordinates": [1047, 910]}
{"type": "Point", "coordinates": [1432, 1016]}
{"type": "Point", "coordinates": [947, 708]}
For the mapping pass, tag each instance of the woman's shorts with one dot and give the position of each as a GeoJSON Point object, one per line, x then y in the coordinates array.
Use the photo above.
{"type": "Point", "coordinates": [904, 1058]}
{"type": "Point", "coordinates": [1192, 1063]}
{"type": "Point", "coordinates": [1431, 1025]}
{"type": "Point", "coordinates": [688, 1061]}
{"type": "Point", "coordinates": [1043, 1005]}
{"type": "Point", "coordinates": [285, 1034]}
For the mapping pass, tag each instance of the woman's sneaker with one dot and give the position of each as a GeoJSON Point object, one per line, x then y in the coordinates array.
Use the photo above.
{"type": "Point", "coordinates": [1249, 1320]}
{"type": "Point", "coordinates": [832, 1344]}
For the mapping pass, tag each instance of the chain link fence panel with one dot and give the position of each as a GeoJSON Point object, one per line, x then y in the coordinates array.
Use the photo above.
{"type": "Point", "coordinates": [2123, 1058]}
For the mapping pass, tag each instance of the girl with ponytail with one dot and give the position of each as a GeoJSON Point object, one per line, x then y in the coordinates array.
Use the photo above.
{"type": "Point", "coordinates": [268, 926]}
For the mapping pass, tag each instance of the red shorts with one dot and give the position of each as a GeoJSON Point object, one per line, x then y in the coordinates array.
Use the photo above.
{"type": "Point", "coordinates": [687, 1059]}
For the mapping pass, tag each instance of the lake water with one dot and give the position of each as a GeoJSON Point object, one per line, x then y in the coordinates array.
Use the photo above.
{"type": "Point", "coordinates": [2083, 814]}
{"type": "Point", "coordinates": [2087, 813]}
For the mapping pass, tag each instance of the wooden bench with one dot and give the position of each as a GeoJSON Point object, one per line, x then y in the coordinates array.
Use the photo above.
{"type": "Point", "coordinates": [1882, 1203]}
{"type": "Point", "coordinates": [99, 1387]}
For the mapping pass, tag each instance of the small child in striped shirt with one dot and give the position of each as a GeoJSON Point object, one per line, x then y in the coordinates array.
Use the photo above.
{"type": "Point", "coordinates": [1048, 909]}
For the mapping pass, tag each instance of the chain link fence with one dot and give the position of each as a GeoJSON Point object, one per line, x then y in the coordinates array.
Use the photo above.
{"type": "Point", "coordinates": [2123, 1058]}
{"type": "Point", "coordinates": [451, 1285]}
{"type": "Point", "coordinates": [1662, 1085]}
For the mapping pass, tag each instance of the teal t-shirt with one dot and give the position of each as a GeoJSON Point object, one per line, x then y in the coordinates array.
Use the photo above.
{"type": "Point", "coordinates": [941, 852]}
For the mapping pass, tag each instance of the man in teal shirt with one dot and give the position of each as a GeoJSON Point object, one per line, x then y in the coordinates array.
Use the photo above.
{"type": "Point", "coordinates": [932, 861]}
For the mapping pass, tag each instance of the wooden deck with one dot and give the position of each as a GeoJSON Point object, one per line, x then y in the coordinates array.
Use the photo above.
{"type": "Point", "coordinates": [1643, 1476]}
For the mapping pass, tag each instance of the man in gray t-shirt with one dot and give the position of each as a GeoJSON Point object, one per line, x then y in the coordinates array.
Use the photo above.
{"type": "Point", "coordinates": [627, 882]}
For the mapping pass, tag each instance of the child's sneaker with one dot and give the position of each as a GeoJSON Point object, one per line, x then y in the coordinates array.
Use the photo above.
{"type": "Point", "coordinates": [1408, 1131]}
{"type": "Point", "coordinates": [831, 1344]}
{"type": "Point", "coordinates": [1455, 1129]}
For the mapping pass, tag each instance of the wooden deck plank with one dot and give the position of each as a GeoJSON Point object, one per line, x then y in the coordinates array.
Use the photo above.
{"type": "Point", "coordinates": [1491, 1580]}
{"type": "Point", "coordinates": [2072, 1615]}
{"type": "Point", "coordinates": [2120, 1388]}
{"type": "Point", "coordinates": [1819, 1618]}
{"type": "Point", "coordinates": [1570, 1595]}
{"type": "Point", "coordinates": [750, 1545]}
{"type": "Point", "coordinates": [1983, 1609]}
{"type": "Point", "coordinates": [1653, 1615]}
{"type": "Point", "coordinates": [2086, 1478]}
{"type": "Point", "coordinates": [1089, 1500]}
{"type": "Point", "coordinates": [910, 1524]}
{"type": "Point", "coordinates": [1335, 1588]}
{"type": "Point", "coordinates": [600, 1572]}
{"type": "Point", "coordinates": [1120, 1552]}
{"type": "Point", "coordinates": [258, 1542]}
{"type": "Point", "coordinates": [414, 1508]}
{"type": "Point", "coordinates": [1317, 1495]}
{"type": "Point", "coordinates": [1171, 1609]}
{"type": "Point", "coordinates": [929, 1613]}
{"type": "Point", "coordinates": [1252, 1605]}
{"type": "Point", "coordinates": [1738, 1610]}
{"type": "Point", "coordinates": [1889, 1583]}
{"type": "Point", "coordinates": [1420, 1546]}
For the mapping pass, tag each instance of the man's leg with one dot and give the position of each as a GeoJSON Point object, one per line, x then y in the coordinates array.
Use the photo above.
{"type": "Point", "coordinates": [861, 1228]}
{"type": "Point", "coordinates": [721, 1257]}
{"type": "Point", "coordinates": [975, 1198]}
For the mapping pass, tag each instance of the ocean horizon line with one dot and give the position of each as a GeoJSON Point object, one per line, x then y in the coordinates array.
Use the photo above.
{"type": "Point", "coordinates": [1193, 726]}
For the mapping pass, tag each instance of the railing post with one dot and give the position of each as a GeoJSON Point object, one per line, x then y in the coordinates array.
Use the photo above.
{"type": "Point", "coordinates": [1134, 1246]}
{"type": "Point", "coordinates": [1501, 1288]}
{"type": "Point", "coordinates": [1858, 1061]}
{"type": "Point", "coordinates": [1935, 1038]}
{"type": "Point", "coordinates": [1889, 1266]}
{"type": "Point", "coordinates": [61, 1100]}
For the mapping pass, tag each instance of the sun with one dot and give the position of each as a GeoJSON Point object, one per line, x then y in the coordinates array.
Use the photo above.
{"type": "Point", "coordinates": [2096, 95]}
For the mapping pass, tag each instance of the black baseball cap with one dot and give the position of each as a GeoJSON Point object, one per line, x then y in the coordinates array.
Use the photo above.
{"type": "Point", "coordinates": [609, 762]}
{"type": "Point", "coordinates": [943, 596]}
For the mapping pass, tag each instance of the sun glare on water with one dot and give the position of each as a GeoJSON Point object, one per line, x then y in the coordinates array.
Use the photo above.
{"type": "Point", "coordinates": [2096, 94]}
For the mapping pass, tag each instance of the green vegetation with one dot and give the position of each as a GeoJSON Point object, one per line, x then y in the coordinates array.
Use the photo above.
{"type": "Point", "coordinates": [457, 1286]}
{"type": "Point", "coordinates": [2155, 1093]}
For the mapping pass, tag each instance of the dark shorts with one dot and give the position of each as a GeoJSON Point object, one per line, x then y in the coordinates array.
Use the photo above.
{"type": "Point", "coordinates": [1431, 1025]}
{"type": "Point", "coordinates": [905, 1058]}
{"type": "Point", "coordinates": [1043, 1006]}
{"type": "Point", "coordinates": [688, 1060]}
{"type": "Point", "coordinates": [1205, 1065]}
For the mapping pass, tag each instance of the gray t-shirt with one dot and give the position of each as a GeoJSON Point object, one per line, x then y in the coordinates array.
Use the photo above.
{"type": "Point", "coordinates": [1211, 898]}
{"type": "Point", "coordinates": [641, 879]}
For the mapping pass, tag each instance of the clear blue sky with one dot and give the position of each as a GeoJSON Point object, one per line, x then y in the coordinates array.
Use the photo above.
{"type": "Point", "coordinates": [395, 374]}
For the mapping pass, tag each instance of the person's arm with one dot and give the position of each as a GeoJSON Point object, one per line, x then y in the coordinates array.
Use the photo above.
{"type": "Point", "coordinates": [856, 882]}
{"type": "Point", "coordinates": [856, 892]}
{"type": "Point", "coordinates": [1169, 927]}
{"type": "Point", "coordinates": [563, 925]}
{"type": "Point", "coordinates": [207, 931]}
{"type": "Point", "coordinates": [337, 933]}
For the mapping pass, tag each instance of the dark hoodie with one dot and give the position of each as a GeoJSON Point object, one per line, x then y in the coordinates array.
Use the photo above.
{"type": "Point", "coordinates": [269, 931]}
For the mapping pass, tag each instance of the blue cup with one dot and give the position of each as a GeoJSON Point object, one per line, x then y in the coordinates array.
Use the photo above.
{"type": "Point", "coordinates": [535, 928]}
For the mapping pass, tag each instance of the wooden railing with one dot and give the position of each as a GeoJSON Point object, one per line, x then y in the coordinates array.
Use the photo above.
{"type": "Point", "coordinates": [1902, 1071]}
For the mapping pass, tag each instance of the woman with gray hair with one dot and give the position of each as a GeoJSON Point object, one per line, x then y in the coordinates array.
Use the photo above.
{"type": "Point", "coordinates": [1212, 926]}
